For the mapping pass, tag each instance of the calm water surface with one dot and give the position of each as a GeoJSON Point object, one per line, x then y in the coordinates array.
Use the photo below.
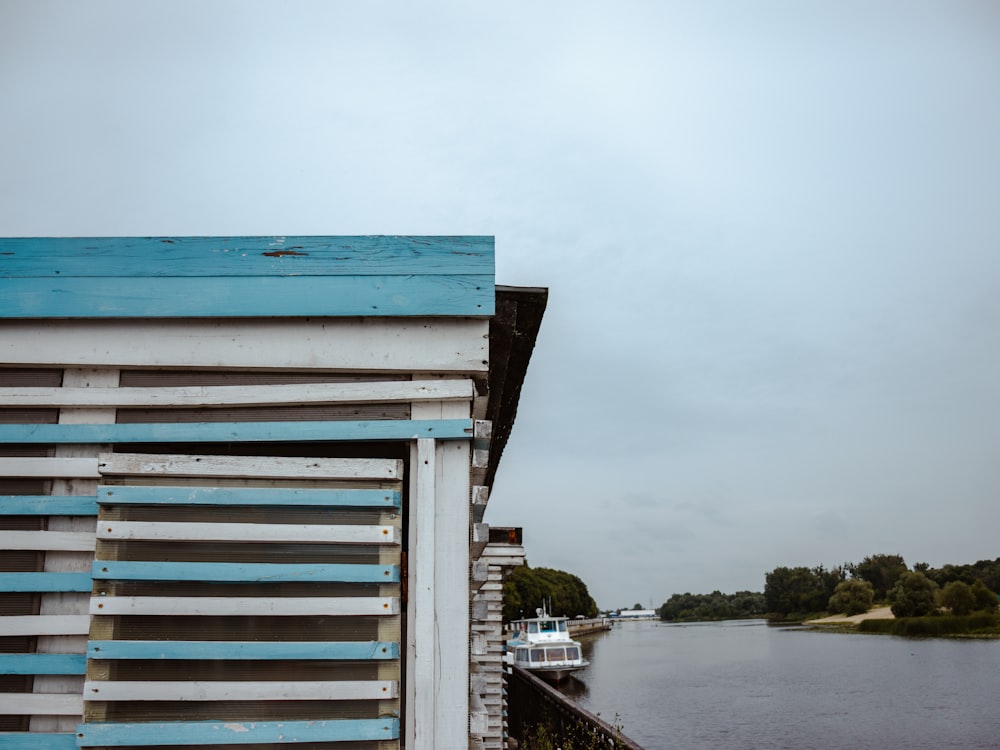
{"type": "Point", "coordinates": [744, 684]}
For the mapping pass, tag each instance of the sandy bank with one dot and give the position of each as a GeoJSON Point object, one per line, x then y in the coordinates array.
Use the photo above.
{"type": "Point", "coordinates": [879, 613]}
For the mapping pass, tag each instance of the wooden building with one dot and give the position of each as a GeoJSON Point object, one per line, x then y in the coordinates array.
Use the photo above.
{"type": "Point", "coordinates": [242, 484]}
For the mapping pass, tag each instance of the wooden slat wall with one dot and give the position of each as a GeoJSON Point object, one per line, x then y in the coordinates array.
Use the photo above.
{"type": "Point", "coordinates": [318, 579]}
{"type": "Point", "coordinates": [165, 608]}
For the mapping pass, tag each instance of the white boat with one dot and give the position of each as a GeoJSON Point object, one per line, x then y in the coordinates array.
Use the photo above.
{"type": "Point", "coordinates": [542, 646]}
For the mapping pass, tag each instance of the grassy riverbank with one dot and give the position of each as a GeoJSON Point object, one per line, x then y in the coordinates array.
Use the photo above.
{"type": "Point", "coordinates": [881, 621]}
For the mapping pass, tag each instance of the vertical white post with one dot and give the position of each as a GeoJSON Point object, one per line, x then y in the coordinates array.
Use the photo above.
{"type": "Point", "coordinates": [421, 679]}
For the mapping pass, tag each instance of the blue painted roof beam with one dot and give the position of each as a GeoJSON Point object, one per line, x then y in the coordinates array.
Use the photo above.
{"type": "Point", "coordinates": [179, 277]}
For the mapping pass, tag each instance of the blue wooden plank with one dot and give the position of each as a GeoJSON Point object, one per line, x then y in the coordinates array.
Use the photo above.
{"type": "Point", "coordinates": [237, 432]}
{"type": "Point", "coordinates": [42, 664]}
{"type": "Point", "coordinates": [236, 732]}
{"type": "Point", "coordinates": [249, 296]}
{"type": "Point", "coordinates": [337, 498]}
{"type": "Point", "coordinates": [37, 741]}
{"type": "Point", "coordinates": [255, 650]}
{"type": "Point", "coordinates": [96, 257]}
{"type": "Point", "coordinates": [243, 572]}
{"type": "Point", "coordinates": [48, 505]}
{"type": "Point", "coordinates": [22, 582]}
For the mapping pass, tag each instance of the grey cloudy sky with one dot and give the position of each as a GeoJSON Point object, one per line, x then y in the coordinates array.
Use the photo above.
{"type": "Point", "coordinates": [770, 231]}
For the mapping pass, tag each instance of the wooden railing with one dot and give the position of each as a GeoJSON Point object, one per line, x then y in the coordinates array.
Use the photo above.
{"type": "Point", "coordinates": [542, 718]}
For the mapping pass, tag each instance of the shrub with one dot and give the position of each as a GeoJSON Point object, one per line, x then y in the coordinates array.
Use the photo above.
{"type": "Point", "coordinates": [986, 600]}
{"type": "Point", "coordinates": [913, 595]}
{"type": "Point", "coordinates": [853, 597]}
{"type": "Point", "coordinates": [957, 597]}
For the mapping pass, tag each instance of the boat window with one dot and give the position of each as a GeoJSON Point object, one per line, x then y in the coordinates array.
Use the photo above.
{"type": "Point", "coordinates": [521, 655]}
{"type": "Point", "coordinates": [532, 627]}
{"type": "Point", "coordinates": [538, 654]}
{"type": "Point", "coordinates": [556, 654]}
{"type": "Point", "coordinates": [572, 652]}
{"type": "Point", "coordinates": [548, 627]}
{"type": "Point", "coordinates": [562, 626]}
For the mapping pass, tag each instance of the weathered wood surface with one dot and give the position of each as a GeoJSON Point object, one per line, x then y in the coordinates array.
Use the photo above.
{"type": "Point", "coordinates": [235, 733]}
{"type": "Point", "coordinates": [41, 582]}
{"type": "Point", "coordinates": [252, 650]}
{"type": "Point", "coordinates": [49, 468]}
{"type": "Point", "coordinates": [243, 296]}
{"type": "Point", "coordinates": [41, 704]}
{"type": "Point", "coordinates": [44, 625]}
{"type": "Point", "coordinates": [214, 605]}
{"type": "Point", "coordinates": [42, 664]}
{"type": "Point", "coordinates": [242, 532]}
{"type": "Point", "coordinates": [428, 345]}
{"type": "Point", "coordinates": [74, 541]}
{"type": "Point", "coordinates": [91, 257]}
{"type": "Point", "coordinates": [244, 572]}
{"type": "Point", "coordinates": [38, 741]}
{"type": "Point", "coordinates": [241, 395]}
{"type": "Point", "coordinates": [223, 496]}
{"type": "Point", "coordinates": [216, 432]}
{"type": "Point", "coordinates": [220, 690]}
{"type": "Point", "coordinates": [48, 505]}
{"type": "Point", "coordinates": [260, 467]}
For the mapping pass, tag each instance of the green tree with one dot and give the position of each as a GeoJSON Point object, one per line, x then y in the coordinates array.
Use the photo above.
{"type": "Point", "coordinates": [527, 589]}
{"type": "Point", "coordinates": [853, 597]}
{"type": "Point", "coordinates": [985, 599]}
{"type": "Point", "coordinates": [881, 571]}
{"type": "Point", "coordinates": [913, 595]}
{"type": "Point", "coordinates": [957, 596]}
{"type": "Point", "coordinates": [800, 590]}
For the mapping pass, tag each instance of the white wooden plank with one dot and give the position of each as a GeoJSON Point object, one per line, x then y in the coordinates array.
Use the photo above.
{"type": "Point", "coordinates": [210, 605]}
{"type": "Point", "coordinates": [256, 467]}
{"type": "Point", "coordinates": [241, 395]}
{"type": "Point", "coordinates": [451, 583]}
{"type": "Point", "coordinates": [66, 541]}
{"type": "Point", "coordinates": [44, 625]}
{"type": "Point", "coordinates": [175, 690]}
{"type": "Point", "coordinates": [49, 468]}
{"type": "Point", "coordinates": [48, 704]}
{"type": "Point", "coordinates": [245, 532]}
{"type": "Point", "coordinates": [421, 682]}
{"type": "Point", "coordinates": [459, 345]}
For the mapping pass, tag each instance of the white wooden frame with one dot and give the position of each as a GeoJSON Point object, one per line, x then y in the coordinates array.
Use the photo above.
{"type": "Point", "coordinates": [244, 532]}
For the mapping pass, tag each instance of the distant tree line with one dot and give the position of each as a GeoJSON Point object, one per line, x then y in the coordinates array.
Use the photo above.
{"type": "Point", "coordinates": [527, 588]}
{"type": "Point", "coordinates": [714, 606]}
{"type": "Point", "coordinates": [854, 587]}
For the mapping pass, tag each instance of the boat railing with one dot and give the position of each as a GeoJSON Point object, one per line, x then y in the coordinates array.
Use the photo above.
{"type": "Point", "coordinates": [537, 710]}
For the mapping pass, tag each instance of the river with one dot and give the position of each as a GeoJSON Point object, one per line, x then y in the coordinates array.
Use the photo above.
{"type": "Point", "coordinates": [745, 684]}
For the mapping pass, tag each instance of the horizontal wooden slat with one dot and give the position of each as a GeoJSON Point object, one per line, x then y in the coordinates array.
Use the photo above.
{"type": "Point", "coordinates": [48, 505]}
{"type": "Point", "coordinates": [244, 572]}
{"type": "Point", "coordinates": [253, 650]}
{"type": "Point", "coordinates": [237, 432]}
{"type": "Point", "coordinates": [49, 468]}
{"type": "Point", "coordinates": [66, 541]}
{"type": "Point", "coordinates": [178, 690]}
{"type": "Point", "coordinates": [399, 391]}
{"type": "Point", "coordinates": [345, 498]}
{"type": "Point", "coordinates": [242, 532]}
{"type": "Point", "coordinates": [37, 741]}
{"type": "Point", "coordinates": [451, 345]}
{"type": "Point", "coordinates": [207, 605]}
{"type": "Point", "coordinates": [42, 664]}
{"type": "Point", "coordinates": [41, 704]}
{"type": "Point", "coordinates": [44, 624]}
{"type": "Point", "coordinates": [236, 732]}
{"type": "Point", "coordinates": [62, 257]}
{"type": "Point", "coordinates": [245, 467]}
{"type": "Point", "coordinates": [44, 582]}
{"type": "Point", "coordinates": [237, 297]}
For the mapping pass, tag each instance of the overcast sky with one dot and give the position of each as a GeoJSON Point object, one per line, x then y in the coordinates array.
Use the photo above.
{"type": "Point", "coordinates": [770, 230]}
